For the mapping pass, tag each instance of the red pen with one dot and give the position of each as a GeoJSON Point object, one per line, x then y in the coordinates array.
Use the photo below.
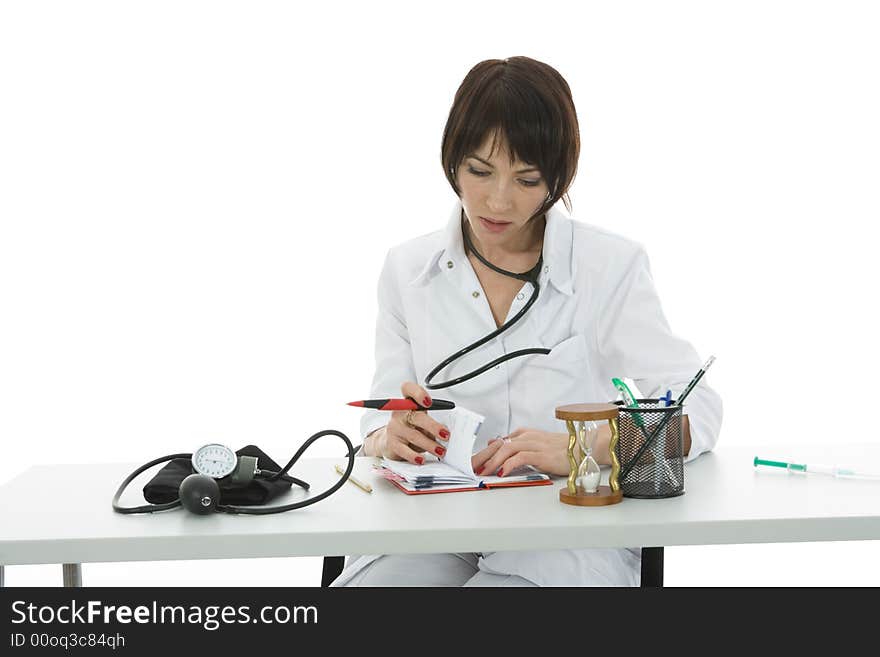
{"type": "Point", "coordinates": [403, 404]}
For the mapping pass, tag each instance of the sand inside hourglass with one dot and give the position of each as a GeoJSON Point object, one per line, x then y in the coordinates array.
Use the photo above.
{"type": "Point", "coordinates": [588, 471]}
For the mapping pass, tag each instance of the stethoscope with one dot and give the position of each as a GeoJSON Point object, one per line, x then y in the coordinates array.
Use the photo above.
{"type": "Point", "coordinates": [530, 276]}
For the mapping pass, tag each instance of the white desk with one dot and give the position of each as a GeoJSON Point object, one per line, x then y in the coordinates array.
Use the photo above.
{"type": "Point", "coordinates": [62, 514]}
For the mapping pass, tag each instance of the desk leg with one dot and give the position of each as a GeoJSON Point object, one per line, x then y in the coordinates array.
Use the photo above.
{"type": "Point", "coordinates": [72, 574]}
{"type": "Point", "coordinates": [652, 566]}
{"type": "Point", "coordinates": [332, 568]}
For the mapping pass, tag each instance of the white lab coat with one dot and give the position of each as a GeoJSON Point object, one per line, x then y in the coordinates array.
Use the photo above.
{"type": "Point", "coordinates": [599, 314]}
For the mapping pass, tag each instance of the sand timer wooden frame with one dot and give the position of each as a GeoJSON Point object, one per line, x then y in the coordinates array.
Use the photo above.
{"type": "Point", "coordinates": [575, 415]}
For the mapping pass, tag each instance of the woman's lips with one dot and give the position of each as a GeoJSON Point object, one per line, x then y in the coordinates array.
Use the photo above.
{"type": "Point", "coordinates": [493, 227]}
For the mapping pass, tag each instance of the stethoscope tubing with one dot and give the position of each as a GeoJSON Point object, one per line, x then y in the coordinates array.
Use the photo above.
{"type": "Point", "coordinates": [530, 276]}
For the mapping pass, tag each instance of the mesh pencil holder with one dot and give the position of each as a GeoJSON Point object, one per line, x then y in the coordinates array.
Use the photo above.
{"type": "Point", "coordinates": [656, 469]}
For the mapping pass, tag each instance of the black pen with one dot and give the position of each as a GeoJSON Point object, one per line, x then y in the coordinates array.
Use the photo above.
{"type": "Point", "coordinates": [694, 381]}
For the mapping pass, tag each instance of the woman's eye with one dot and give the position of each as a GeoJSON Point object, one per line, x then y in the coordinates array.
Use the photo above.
{"type": "Point", "coordinates": [523, 182]}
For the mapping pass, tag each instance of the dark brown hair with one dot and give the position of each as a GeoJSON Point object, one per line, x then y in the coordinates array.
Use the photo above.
{"type": "Point", "coordinates": [528, 103]}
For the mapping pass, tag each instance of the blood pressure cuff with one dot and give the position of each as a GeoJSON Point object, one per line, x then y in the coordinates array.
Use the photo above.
{"type": "Point", "coordinates": [163, 487]}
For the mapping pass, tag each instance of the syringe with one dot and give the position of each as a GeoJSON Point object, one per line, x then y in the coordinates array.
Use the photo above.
{"type": "Point", "coordinates": [833, 470]}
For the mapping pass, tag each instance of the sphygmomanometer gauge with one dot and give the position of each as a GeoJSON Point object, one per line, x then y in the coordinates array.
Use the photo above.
{"type": "Point", "coordinates": [214, 460]}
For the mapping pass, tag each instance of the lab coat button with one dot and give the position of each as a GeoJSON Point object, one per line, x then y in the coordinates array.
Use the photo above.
{"type": "Point", "coordinates": [546, 269]}
{"type": "Point", "coordinates": [476, 294]}
{"type": "Point", "coordinates": [520, 296]}
{"type": "Point", "coordinates": [449, 264]}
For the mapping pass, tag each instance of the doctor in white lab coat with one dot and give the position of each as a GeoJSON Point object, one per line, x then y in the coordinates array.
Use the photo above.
{"type": "Point", "coordinates": [597, 310]}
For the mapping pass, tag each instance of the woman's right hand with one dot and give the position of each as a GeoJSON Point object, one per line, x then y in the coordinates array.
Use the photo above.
{"type": "Point", "coordinates": [400, 441]}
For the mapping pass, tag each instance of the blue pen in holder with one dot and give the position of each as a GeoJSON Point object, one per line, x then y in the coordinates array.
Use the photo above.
{"type": "Point", "coordinates": [650, 449]}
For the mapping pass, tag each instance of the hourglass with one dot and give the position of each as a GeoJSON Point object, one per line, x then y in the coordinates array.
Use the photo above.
{"type": "Point", "coordinates": [582, 487]}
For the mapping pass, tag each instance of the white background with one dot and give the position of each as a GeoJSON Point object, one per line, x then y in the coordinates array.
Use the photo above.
{"type": "Point", "coordinates": [196, 198]}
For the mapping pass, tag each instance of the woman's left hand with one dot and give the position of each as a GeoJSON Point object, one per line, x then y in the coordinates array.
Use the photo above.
{"type": "Point", "coordinates": [546, 451]}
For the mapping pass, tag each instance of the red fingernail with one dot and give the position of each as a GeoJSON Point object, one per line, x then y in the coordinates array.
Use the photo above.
{"type": "Point", "coordinates": [439, 451]}
{"type": "Point", "coordinates": [426, 401]}
{"type": "Point", "coordinates": [419, 460]}
{"type": "Point", "coordinates": [501, 473]}
{"type": "Point", "coordinates": [444, 434]}
{"type": "Point", "coordinates": [480, 469]}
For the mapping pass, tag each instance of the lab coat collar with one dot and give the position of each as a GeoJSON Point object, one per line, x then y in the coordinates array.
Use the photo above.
{"type": "Point", "coordinates": [557, 251]}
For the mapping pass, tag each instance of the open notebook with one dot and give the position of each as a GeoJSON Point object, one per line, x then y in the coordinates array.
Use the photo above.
{"type": "Point", "coordinates": [453, 472]}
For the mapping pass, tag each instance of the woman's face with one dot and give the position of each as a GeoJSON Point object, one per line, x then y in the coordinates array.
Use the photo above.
{"type": "Point", "coordinates": [499, 197]}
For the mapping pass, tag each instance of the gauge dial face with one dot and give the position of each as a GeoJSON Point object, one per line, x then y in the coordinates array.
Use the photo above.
{"type": "Point", "coordinates": [214, 460]}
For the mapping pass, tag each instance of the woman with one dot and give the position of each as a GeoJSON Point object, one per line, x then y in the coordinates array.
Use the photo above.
{"type": "Point", "coordinates": [510, 152]}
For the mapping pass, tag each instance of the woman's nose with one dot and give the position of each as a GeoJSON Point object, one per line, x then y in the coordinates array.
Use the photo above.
{"type": "Point", "coordinates": [500, 198]}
